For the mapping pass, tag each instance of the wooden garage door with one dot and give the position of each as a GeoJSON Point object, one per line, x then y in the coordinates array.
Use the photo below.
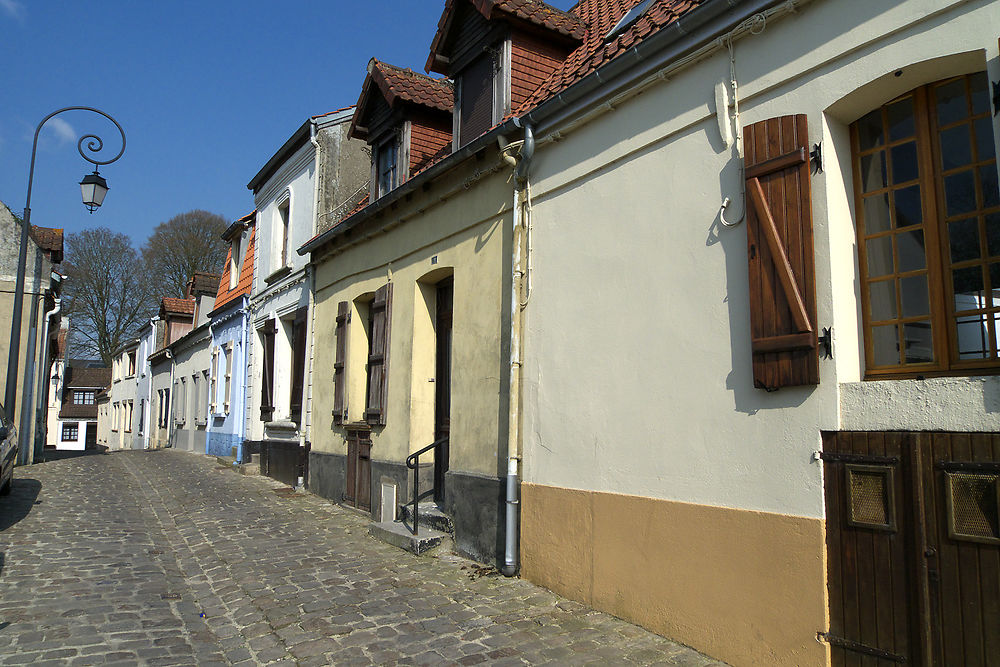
{"type": "Point", "coordinates": [913, 545]}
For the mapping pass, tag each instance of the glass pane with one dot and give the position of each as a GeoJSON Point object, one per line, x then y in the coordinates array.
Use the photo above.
{"type": "Point", "coordinates": [980, 87]}
{"type": "Point", "coordinates": [882, 298]}
{"type": "Point", "coordinates": [913, 294]}
{"type": "Point", "coordinates": [873, 172]}
{"type": "Point", "coordinates": [964, 239]}
{"type": "Point", "coordinates": [973, 337]}
{"type": "Point", "coordinates": [918, 342]}
{"type": "Point", "coordinates": [870, 130]}
{"type": "Point", "coordinates": [988, 181]}
{"type": "Point", "coordinates": [901, 119]}
{"type": "Point", "coordinates": [951, 103]}
{"type": "Point", "coordinates": [993, 233]}
{"type": "Point", "coordinates": [907, 203]}
{"type": "Point", "coordinates": [885, 345]}
{"type": "Point", "coordinates": [879, 256]}
{"type": "Point", "coordinates": [960, 192]}
{"type": "Point", "coordinates": [985, 149]}
{"type": "Point", "coordinates": [956, 149]}
{"type": "Point", "coordinates": [968, 285]}
{"type": "Point", "coordinates": [876, 213]}
{"type": "Point", "coordinates": [994, 301]}
{"type": "Point", "coordinates": [911, 250]}
{"type": "Point", "coordinates": [904, 162]}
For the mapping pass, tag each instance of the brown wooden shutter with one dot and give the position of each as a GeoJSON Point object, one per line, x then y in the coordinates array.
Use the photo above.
{"type": "Point", "coordinates": [780, 253]}
{"type": "Point", "coordinates": [339, 376]}
{"type": "Point", "coordinates": [477, 99]}
{"type": "Point", "coordinates": [378, 355]}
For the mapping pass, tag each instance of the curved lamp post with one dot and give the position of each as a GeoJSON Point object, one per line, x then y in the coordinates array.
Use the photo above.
{"type": "Point", "coordinates": [93, 188]}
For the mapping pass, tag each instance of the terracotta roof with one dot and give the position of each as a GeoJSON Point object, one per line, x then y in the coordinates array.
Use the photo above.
{"type": "Point", "coordinates": [533, 11]}
{"type": "Point", "coordinates": [49, 239]}
{"type": "Point", "coordinates": [177, 306]}
{"type": "Point", "coordinates": [405, 84]}
{"type": "Point", "coordinates": [225, 295]}
{"type": "Point", "coordinates": [87, 377]}
{"type": "Point", "coordinates": [600, 17]}
{"type": "Point", "coordinates": [330, 113]}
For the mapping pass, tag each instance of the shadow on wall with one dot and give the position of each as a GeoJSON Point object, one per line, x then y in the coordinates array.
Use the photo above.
{"type": "Point", "coordinates": [18, 504]}
{"type": "Point", "coordinates": [746, 397]}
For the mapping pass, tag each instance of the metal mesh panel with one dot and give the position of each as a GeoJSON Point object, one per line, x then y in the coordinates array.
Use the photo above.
{"type": "Point", "coordinates": [868, 494]}
{"type": "Point", "coordinates": [974, 509]}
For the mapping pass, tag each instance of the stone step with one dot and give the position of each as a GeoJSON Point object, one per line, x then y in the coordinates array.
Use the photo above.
{"type": "Point", "coordinates": [398, 534]}
{"type": "Point", "coordinates": [430, 515]}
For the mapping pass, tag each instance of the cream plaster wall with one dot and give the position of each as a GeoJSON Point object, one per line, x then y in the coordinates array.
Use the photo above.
{"type": "Point", "coordinates": [461, 234]}
{"type": "Point", "coordinates": [637, 356]}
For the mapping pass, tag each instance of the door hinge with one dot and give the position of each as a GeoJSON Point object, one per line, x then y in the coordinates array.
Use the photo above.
{"type": "Point", "coordinates": [858, 647]}
{"type": "Point", "coordinates": [837, 457]}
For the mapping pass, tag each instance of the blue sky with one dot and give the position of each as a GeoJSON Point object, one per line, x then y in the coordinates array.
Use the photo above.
{"type": "Point", "coordinates": [206, 92]}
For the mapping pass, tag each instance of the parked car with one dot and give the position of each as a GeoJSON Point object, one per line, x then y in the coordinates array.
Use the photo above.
{"type": "Point", "coordinates": [8, 453]}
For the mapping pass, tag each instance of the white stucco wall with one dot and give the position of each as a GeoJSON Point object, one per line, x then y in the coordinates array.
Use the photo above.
{"type": "Point", "coordinates": [637, 369]}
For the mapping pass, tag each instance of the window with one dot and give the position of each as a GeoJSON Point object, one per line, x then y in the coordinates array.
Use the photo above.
{"type": "Point", "coordinates": [213, 383]}
{"type": "Point", "coordinates": [235, 258]}
{"type": "Point", "coordinates": [180, 391]}
{"type": "Point", "coordinates": [128, 416]}
{"type": "Point", "coordinates": [131, 363]}
{"type": "Point", "coordinates": [928, 209]}
{"type": "Point", "coordinates": [228, 384]}
{"type": "Point", "coordinates": [83, 397]}
{"type": "Point", "coordinates": [298, 366]}
{"type": "Point", "coordinates": [267, 371]}
{"type": "Point", "coordinates": [482, 94]}
{"type": "Point", "coordinates": [142, 414]}
{"type": "Point", "coordinates": [71, 431]}
{"type": "Point", "coordinates": [284, 211]}
{"type": "Point", "coordinates": [114, 417]}
{"type": "Point", "coordinates": [385, 169]}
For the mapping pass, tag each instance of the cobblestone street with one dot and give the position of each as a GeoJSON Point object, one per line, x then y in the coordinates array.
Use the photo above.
{"type": "Point", "coordinates": [166, 558]}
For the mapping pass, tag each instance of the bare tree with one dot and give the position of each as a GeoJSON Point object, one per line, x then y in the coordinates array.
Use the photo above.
{"type": "Point", "coordinates": [107, 293]}
{"type": "Point", "coordinates": [184, 244]}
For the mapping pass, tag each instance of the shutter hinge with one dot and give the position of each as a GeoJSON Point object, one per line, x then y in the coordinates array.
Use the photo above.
{"type": "Point", "coordinates": [826, 343]}
{"type": "Point", "coordinates": [858, 647]}
{"type": "Point", "coordinates": [816, 158]}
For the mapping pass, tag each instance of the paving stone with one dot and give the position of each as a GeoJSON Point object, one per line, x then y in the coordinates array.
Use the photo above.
{"type": "Point", "coordinates": [181, 565]}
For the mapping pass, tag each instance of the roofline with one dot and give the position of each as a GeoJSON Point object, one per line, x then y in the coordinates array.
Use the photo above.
{"type": "Point", "coordinates": [432, 172]}
{"type": "Point", "coordinates": [296, 141]}
{"type": "Point", "coordinates": [706, 21]}
{"type": "Point", "coordinates": [227, 305]}
{"type": "Point", "coordinates": [687, 33]}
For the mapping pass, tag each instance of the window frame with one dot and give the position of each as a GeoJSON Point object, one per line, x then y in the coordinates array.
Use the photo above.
{"type": "Point", "coordinates": [934, 225]}
{"type": "Point", "coordinates": [70, 427]}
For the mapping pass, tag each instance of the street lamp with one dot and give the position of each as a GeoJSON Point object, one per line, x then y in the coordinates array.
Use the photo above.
{"type": "Point", "coordinates": [93, 188]}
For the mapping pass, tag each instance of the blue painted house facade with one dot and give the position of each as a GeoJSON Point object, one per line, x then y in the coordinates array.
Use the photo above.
{"type": "Point", "coordinates": [230, 337]}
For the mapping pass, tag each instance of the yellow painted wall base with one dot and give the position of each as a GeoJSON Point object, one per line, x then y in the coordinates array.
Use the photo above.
{"type": "Point", "coordinates": [744, 587]}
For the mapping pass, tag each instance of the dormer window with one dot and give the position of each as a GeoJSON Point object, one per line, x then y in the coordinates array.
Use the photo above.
{"type": "Point", "coordinates": [234, 261]}
{"type": "Point", "coordinates": [385, 160]}
{"type": "Point", "coordinates": [406, 119]}
{"type": "Point", "coordinates": [483, 93]}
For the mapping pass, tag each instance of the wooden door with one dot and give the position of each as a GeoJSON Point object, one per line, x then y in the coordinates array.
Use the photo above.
{"type": "Point", "coordinates": [442, 384]}
{"type": "Point", "coordinates": [358, 489]}
{"type": "Point", "coordinates": [90, 438]}
{"type": "Point", "coordinates": [913, 545]}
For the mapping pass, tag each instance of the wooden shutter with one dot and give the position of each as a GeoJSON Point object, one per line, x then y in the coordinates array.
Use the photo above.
{"type": "Point", "coordinates": [780, 253]}
{"type": "Point", "coordinates": [267, 384]}
{"type": "Point", "coordinates": [339, 376]}
{"type": "Point", "coordinates": [477, 99]}
{"type": "Point", "coordinates": [378, 355]}
{"type": "Point", "coordinates": [299, 343]}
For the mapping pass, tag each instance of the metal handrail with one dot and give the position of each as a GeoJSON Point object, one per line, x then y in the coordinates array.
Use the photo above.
{"type": "Point", "coordinates": [413, 463]}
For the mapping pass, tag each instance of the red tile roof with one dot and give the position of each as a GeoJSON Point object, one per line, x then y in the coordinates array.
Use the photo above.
{"type": "Point", "coordinates": [87, 377]}
{"type": "Point", "coordinates": [47, 238]}
{"type": "Point", "coordinates": [335, 111]}
{"type": "Point", "coordinates": [177, 306]}
{"type": "Point", "coordinates": [533, 11]}
{"type": "Point", "coordinates": [245, 281]}
{"type": "Point", "coordinates": [600, 17]}
{"type": "Point", "coordinates": [203, 282]}
{"type": "Point", "coordinates": [398, 83]}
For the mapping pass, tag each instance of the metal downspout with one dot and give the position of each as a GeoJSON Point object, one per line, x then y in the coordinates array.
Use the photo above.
{"type": "Point", "coordinates": [526, 152]}
{"type": "Point", "coordinates": [41, 419]}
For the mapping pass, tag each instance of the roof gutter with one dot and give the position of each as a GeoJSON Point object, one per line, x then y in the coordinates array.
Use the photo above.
{"type": "Point", "coordinates": [710, 20]}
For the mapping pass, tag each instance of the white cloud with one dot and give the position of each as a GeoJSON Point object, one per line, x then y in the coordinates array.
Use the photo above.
{"type": "Point", "coordinates": [63, 130]}
{"type": "Point", "coordinates": [13, 8]}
